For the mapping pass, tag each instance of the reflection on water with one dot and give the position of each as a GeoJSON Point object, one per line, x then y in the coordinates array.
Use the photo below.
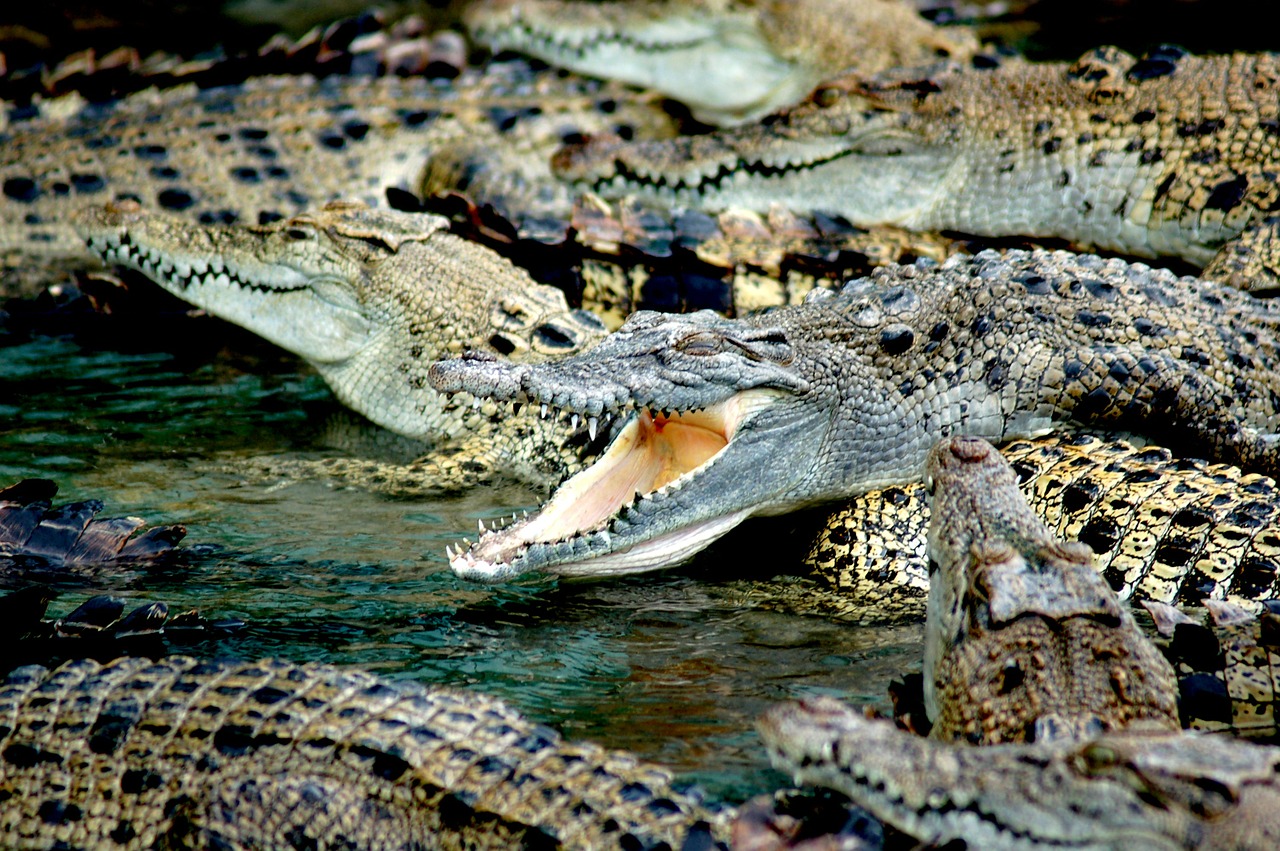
{"type": "Point", "coordinates": [667, 665]}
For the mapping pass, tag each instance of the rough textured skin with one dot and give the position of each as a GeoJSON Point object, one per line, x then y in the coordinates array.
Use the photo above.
{"type": "Point", "coordinates": [1024, 641]}
{"type": "Point", "coordinates": [1228, 664]}
{"type": "Point", "coordinates": [73, 534]}
{"type": "Point", "coordinates": [1119, 791]}
{"type": "Point", "coordinates": [274, 755]}
{"type": "Point", "coordinates": [272, 147]}
{"type": "Point", "coordinates": [847, 393]}
{"type": "Point", "coordinates": [728, 61]}
{"type": "Point", "coordinates": [370, 298]}
{"type": "Point", "coordinates": [620, 257]}
{"type": "Point", "coordinates": [1166, 156]}
{"type": "Point", "coordinates": [1160, 528]}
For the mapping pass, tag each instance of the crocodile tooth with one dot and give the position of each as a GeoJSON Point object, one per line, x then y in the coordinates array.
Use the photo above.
{"type": "Point", "coordinates": [475, 403]}
{"type": "Point", "coordinates": [592, 425]}
{"type": "Point", "coordinates": [573, 422]}
{"type": "Point", "coordinates": [480, 524]}
{"type": "Point", "coordinates": [448, 552]}
{"type": "Point", "coordinates": [543, 413]}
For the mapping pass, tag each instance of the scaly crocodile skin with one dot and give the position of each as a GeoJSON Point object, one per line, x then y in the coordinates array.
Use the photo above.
{"type": "Point", "coordinates": [1024, 641]}
{"type": "Point", "coordinates": [1170, 155]}
{"type": "Point", "coordinates": [183, 753]}
{"type": "Point", "coordinates": [1161, 528]}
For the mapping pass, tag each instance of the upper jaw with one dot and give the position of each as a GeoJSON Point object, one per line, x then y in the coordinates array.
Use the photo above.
{"type": "Point", "coordinates": [662, 363]}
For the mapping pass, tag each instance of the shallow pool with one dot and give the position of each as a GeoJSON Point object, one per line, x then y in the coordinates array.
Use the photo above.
{"type": "Point", "coordinates": [670, 665]}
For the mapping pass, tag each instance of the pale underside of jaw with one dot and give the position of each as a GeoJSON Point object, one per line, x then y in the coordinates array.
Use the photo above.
{"type": "Point", "coordinates": [652, 455]}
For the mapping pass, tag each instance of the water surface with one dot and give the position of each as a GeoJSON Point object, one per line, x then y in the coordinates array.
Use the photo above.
{"type": "Point", "coordinates": [669, 665]}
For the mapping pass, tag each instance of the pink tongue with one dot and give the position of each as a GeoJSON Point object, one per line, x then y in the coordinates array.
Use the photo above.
{"type": "Point", "coordinates": [643, 459]}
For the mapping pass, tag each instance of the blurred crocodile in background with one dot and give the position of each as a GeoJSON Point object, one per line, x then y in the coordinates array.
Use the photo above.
{"type": "Point", "coordinates": [729, 62]}
{"type": "Point", "coordinates": [271, 147]}
{"type": "Point", "coordinates": [1166, 156]}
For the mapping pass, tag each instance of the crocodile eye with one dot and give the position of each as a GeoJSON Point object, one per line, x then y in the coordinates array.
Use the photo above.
{"type": "Point", "coordinates": [1096, 758]}
{"type": "Point", "coordinates": [699, 346]}
{"type": "Point", "coordinates": [827, 96]}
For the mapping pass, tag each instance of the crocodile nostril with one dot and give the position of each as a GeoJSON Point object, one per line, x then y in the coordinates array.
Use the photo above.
{"type": "Point", "coordinates": [502, 345]}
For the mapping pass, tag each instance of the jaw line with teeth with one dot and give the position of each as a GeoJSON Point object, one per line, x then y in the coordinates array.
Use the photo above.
{"type": "Point", "coordinates": [646, 457]}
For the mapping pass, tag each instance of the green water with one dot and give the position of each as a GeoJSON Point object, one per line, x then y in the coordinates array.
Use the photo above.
{"type": "Point", "coordinates": [667, 665]}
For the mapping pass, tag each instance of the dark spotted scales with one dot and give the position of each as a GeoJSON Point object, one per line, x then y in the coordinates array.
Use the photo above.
{"type": "Point", "coordinates": [184, 753]}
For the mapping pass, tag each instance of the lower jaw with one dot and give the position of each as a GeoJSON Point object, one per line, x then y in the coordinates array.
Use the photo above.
{"type": "Point", "coordinates": [663, 551]}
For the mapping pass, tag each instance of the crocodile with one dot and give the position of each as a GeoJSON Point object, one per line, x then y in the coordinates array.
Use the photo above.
{"type": "Point", "coordinates": [1117, 790]}
{"type": "Point", "coordinates": [268, 754]}
{"type": "Point", "coordinates": [370, 297]}
{"type": "Point", "coordinates": [1227, 660]}
{"type": "Point", "coordinates": [1166, 156]}
{"type": "Point", "coordinates": [270, 147]}
{"type": "Point", "coordinates": [1171, 530]}
{"type": "Point", "coordinates": [1030, 654]}
{"type": "Point", "coordinates": [1024, 641]}
{"type": "Point", "coordinates": [729, 61]}
{"type": "Point", "coordinates": [724, 419]}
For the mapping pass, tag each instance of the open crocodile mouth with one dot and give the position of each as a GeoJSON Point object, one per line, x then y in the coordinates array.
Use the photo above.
{"type": "Point", "coordinates": [588, 526]}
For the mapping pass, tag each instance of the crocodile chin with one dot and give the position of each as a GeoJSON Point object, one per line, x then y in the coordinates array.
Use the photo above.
{"type": "Point", "coordinates": [578, 531]}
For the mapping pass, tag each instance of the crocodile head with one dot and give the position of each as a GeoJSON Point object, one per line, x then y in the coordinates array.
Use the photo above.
{"type": "Point", "coordinates": [716, 58]}
{"type": "Point", "coordinates": [729, 61]}
{"type": "Point", "coordinates": [1120, 790]}
{"type": "Point", "coordinates": [694, 454]}
{"type": "Point", "coordinates": [369, 297]}
{"type": "Point", "coordinates": [856, 148]}
{"type": "Point", "coordinates": [1012, 612]}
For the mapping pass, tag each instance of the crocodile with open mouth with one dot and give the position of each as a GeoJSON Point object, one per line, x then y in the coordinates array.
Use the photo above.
{"type": "Point", "coordinates": [1169, 155]}
{"type": "Point", "coordinates": [725, 419]}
